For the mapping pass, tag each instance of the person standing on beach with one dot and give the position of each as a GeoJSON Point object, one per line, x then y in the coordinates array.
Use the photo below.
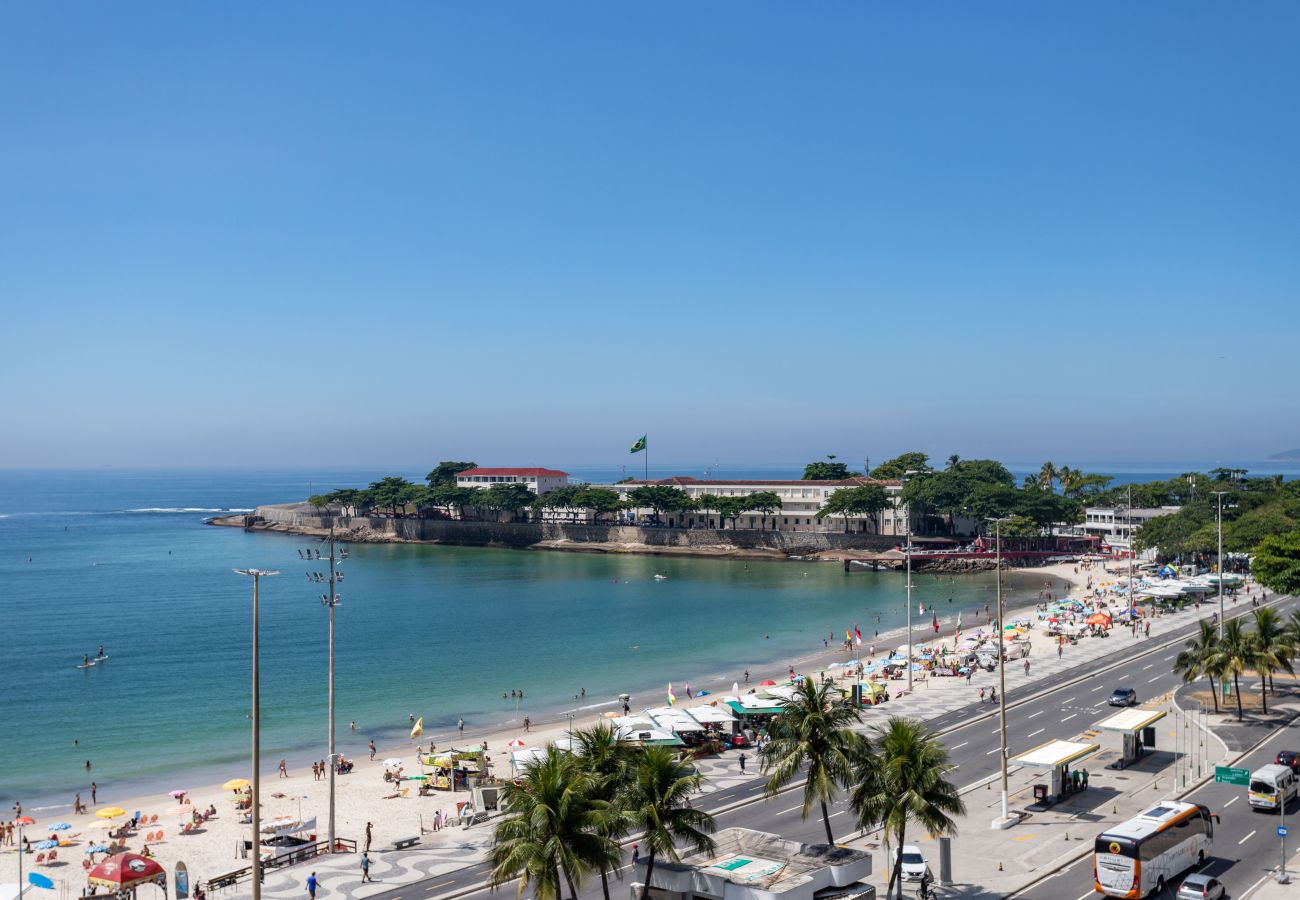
{"type": "Point", "coordinates": [94, 792]}
{"type": "Point", "coordinates": [372, 748]}
{"type": "Point", "coordinates": [460, 726]}
{"type": "Point", "coordinates": [284, 771]}
{"type": "Point", "coordinates": [747, 676]}
{"type": "Point", "coordinates": [311, 886]}
{"type": "Point", "coordinates": [369, 835]}
{"type": "Point", "coordinates": [527, 724]}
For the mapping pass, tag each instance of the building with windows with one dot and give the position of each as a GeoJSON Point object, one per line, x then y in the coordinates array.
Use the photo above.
{"type": "Point", "coordinates": [1115, 525]}
{"type": "Point", "coordinates": [800, 502]}
{"type": "Point", "coordinates": [539, 481]}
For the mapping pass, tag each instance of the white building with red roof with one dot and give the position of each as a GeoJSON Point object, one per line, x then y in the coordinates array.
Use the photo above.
{"type": "Point", "coordinates": [539, 481]}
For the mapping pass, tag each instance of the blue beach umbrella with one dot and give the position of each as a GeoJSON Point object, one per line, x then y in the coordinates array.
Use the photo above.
{"type": "Point", "coordinates": [45, 845]}
{"type": "Point", "coordinates": [95, 848]}
{"type": "Point", "coordinates": [59, 826]}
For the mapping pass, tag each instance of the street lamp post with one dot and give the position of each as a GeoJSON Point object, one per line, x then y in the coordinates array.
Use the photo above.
{"type": "Point", "coordinates": [1219, 518]}
{"type": "Point", "coordinates": [256, 575]}
{"type": "Point", "coordinates": [331, 600]}
{"type": "Point", "coordinates": [1006, 820]}
{"type": "Point", "coordinates": [908, 664]}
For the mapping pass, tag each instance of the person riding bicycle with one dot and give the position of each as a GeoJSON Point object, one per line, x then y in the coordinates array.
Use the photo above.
{"type": "Point", "coordinates": [925, 892]}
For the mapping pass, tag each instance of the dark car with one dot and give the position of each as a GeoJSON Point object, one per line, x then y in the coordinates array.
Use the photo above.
{"type": "Point", "coordinates": [1290, 759]}
{"type": "Point", "coordinates": [1200, 887]}
{"type": "Point", "coordinates": [1123, 697]}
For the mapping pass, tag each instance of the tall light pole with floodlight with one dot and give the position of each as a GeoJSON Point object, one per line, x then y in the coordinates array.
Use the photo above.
{"type": "Point", "coordinates": [257, 575]}
{"type": "Point", "coordinates": [1219, 517]}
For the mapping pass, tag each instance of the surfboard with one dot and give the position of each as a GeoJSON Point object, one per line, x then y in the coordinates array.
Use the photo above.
{"type": "Point", "coordinates": [85, 665]}
{"type": "Point", "coordinates": [181, 879]}
{"type": "Point", "coordinates": [100, 659]}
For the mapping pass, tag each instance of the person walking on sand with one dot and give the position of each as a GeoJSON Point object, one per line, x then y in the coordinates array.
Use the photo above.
{"type": "Point", "coordinates": [372, 748]}
{"type": "Point", "coordinates": [284, 772]}
{"type": "Point", "coordinates": [747, 676]}
{"type": "Point", "coordinates": [311, 886]}
{"type": "Point", "coordinates": [365, 867]}
{"type": "Point", "coordinates": [528, 724]}
{"type": "Point", "coordinates": [369, 835]}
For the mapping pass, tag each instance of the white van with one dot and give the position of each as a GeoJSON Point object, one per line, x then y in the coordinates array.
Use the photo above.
{"type": "Point", "coordinates": [1272, 786]}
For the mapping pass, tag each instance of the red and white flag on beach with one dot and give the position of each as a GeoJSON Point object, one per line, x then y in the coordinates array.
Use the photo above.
{"type": "Point", "coordinates": [857, 634]}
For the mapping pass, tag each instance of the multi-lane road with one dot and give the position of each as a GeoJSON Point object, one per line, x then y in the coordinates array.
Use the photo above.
{"type": "Point", "coordinates": [1060, 705]}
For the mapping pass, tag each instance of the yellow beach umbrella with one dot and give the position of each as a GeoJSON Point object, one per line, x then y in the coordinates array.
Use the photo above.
{"type": "Point", "coordinates": [236, 784]}
{"type": "Point", "coordinates": [111, 812]}
{"type": "Point", "coordinates": [417, 729]}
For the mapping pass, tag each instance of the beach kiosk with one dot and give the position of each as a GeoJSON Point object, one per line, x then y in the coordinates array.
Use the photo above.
{"type": "Point", "coordinates": [1055, 756]}
{"type": "Point", "coordinates": [1136, 728]}
{"type": "Point", "coordinates": [754, 711]}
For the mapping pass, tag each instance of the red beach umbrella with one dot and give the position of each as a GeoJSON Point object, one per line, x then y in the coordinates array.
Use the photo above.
{"type": "Point", "coordinates": [766, 683]}
{"type": "Point", "coordinates": [123, 871]}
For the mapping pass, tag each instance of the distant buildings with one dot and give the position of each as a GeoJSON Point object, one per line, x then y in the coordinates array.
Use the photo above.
{"type": "Point", "coordinates": [800, 502]}
{"type": "Point", "coordinates": [1115, 525]}
{"type": "Point", "coordinates": [539, 481]}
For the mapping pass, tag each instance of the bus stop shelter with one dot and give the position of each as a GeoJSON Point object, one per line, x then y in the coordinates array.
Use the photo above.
{"type": "Point", "coordinates": [1055, 756]}
{"type": "Point", "coordinates": [1133, 725]}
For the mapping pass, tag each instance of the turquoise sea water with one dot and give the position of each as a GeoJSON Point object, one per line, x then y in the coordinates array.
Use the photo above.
{"type": "Point", "coordinates": [124, 559]}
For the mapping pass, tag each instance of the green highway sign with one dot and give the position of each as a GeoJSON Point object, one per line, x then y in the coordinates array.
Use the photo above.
{"type": "Point", "coordinates": [1229, 775]}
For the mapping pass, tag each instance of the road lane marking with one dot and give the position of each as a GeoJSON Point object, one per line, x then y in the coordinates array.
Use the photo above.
{"type": "Point", "coordinates": [959, 746]}
{"type": "Point", "coordinates": [1230, 802]}
{"type": "Point", "coordinates": [1039, 713]}
{"type": "Point", "coordinates": [1144, 668]}
{"type": "Point", "coordinates": [1066, 700]}
{"type": "Point", "coordinates": [1087, 895]}
{"type": "Point", "coordinates": [1246, 838]}
{"type": "Point", "coordinates": [791, 809]}
{"type": "Point", "coordinates": [1169, 657]}
{"type": "Point", "coordinates": [994, 750]}
{"type": "Point", "coordinates": [1069, 717]}
{"type": "Point", "coordinates": [1154, 680]}
{"type": "Point", "coordinates": [1032, 733]}
{"type": "Point", "coordinates": [1097, 688]}
{"type": "Point", "coordinates": [840, 813]}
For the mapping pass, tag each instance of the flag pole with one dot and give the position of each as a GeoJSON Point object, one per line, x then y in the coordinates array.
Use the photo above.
{"type": "Point", "coordinates": [647, 460]}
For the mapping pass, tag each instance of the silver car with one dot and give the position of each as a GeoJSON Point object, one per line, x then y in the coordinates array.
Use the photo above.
{"type": "Point", "coordinates": [1200, 887]}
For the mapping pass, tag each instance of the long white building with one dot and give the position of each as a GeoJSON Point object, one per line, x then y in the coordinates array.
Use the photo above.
{"type": "Point", "coordinates": [800, 502]}
{"type": "Point", "coordinates": [1115, 525]}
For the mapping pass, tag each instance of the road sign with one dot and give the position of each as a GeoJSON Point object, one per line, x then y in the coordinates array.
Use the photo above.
{"type": "Point", "coordinates": [1281, 831]}
{"type": "Point", "coordinates": [1229, 775]}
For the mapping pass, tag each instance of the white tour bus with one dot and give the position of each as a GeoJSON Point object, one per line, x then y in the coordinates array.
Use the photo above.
{"type": "Point", "coordinates": [1139, 857]}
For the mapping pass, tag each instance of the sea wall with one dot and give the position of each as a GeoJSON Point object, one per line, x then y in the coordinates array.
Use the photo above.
{"type": "Point", "coordinates": [300, 518]}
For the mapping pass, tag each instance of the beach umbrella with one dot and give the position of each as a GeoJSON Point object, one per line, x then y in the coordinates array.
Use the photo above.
{"type": "Point", "coordinates": [102, 826]}
{"type": "Point", "coordinates": [123, 871]}
{"type": "Point", "coordinates": [185, 809]}
{"type": "Point", "coordinates": [95, 848]}
{"type": "Point", "coordinates": [177, 794]}
{"type": "Point", "coordinates": [24, 821]}
{"type": "Point", "coordinates": [111, 812]}
{"type": "Point", "coordinates": [516, 743]}
{"type": "Point", "coordinates": [45, 845]}
{"type": "Point", "coordinates": [766, 682]}
{"type": "Point", "coordinates": [392, 763]}
{"type": "Point", "coordinates": [611, 715]}
{"type": "Point", "coordinates": [236, 784]}
{"type": "Point", "coordinates": [59, 826]}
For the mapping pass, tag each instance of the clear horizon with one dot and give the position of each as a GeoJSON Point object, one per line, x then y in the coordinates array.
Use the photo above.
{"type": "Point", "coordinates": [261, 236]}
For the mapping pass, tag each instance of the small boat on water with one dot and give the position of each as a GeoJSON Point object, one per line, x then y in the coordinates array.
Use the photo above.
{"type": "Point", "coordinates": [659, 577]}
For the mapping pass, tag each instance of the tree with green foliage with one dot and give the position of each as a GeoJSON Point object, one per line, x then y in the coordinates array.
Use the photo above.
{"type": "Point", "coordinates": [1198, 658]}
{"type": "Point", "coordinates": [563, 497]}
{"type": "Point", "coordinates": [706, 504]}
{"type": "Point", "coordinates": [902, 777]}
{"type": "Point", "coordinates": [608, 762]}
{"type": "Point", "coordinates": [1020, 527]}
{"type": "Point", "coordinates": [827, 471]}
{"type": "Point", "coordinates": [394, 493]}
{"type": "Point", "coordinates": [731, 508]}
{"type": "Point", "coordinates": [1271, 650]}
{"type": "Point", "coordinates": [1233, 656]}
{"type": "Point", "coordinates": [507, 497]}
{"type": "Point", "coordinates": [551, 832]}
{"type": "Point", "coordinates": [446, 471]}
{"type": "Point", "coordinates": [813, 735]}
{"type": "Point", "coordinates": [866, 500]}
{"type": "Point", "coordinates": [1276, 563]}
{"type": "Point", "coordinates": [659, 497]}
{"type": "Point", "coordinates": [601, 501]}
{"type": "Point", "coordinates": [765, 503]}
{"type": "Point", "coordinates": [898, 467]}
{"type": "Point", "coordinates": [657, 798]}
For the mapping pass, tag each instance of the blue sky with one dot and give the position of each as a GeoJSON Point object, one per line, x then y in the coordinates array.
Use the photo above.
{"type": "Point", "coordinates": [328, 234]}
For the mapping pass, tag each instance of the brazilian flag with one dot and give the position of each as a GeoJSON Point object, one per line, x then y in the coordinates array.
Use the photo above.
{"type": "Point", "coordinates": [639, 445]}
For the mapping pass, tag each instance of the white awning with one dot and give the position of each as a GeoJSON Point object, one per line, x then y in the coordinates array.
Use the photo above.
{"type": "Point", "coordinates": [1130, 720]}
{"type": "Point", "coordinates": [1054, 753]}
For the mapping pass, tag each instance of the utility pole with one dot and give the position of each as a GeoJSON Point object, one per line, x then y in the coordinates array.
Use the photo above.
{"type": "Point", "coordinates": [909, 587]}
{"type": "Point", "coordinates": [1132, 552]}
{"type": "Point", "coordinates": [331, 600]}
{"type": "Point", "coordinates": [1219, 517]}
{"type": "Point", "coordinates": [257, 575]}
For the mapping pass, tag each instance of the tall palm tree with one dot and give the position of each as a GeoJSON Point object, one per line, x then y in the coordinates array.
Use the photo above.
{"type": "Point", "coordinates": [1232, 657]}
{"type": "Point", "coordinates": [1047, 475]}
{"type": "Point", "coordinates": [1199, 658]}
{"type": "Point", "coordinates": [657, 798]}
{"type": "Point", "coordinates": [600, 755]}
{"type": "Point", "coordinates": [550, 835]}
{"type": "Point", "coordinates": [902, 777]}
{"type": "Point", "coordinates": [812, 731]}
{"type": "Point", "coordinates": [1272, 647]}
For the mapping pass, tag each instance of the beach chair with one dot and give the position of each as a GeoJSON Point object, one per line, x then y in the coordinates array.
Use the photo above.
{"type": "Point", "coordinates": [158, 838]}
{"type": "Point", "coordinates": [54, 854]}
{"type": "Point", "coordinates": [153, 820]}
{"type": "Point", "coordinates": [40, 859]}
{"type": "Point", "coordinates": [85, 864]}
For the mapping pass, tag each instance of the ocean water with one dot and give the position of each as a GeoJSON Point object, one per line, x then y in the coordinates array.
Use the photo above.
{"type": "Point", "coordinates": [124, 559]}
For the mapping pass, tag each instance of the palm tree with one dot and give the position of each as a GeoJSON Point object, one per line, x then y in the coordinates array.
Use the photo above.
{"type": "Point", "coordinates": [1273, 648]}
{"type": "Point", "coordinates": [902, 778]}
{"type": "Point", "coordinates": [1047, 475]}
{"type": "Point", "coordinates": [954, 461]}
{"type": "Point", "coordinates": [551, 830]}
{"type": "Point", "coordinates": [1198, 659]}
{"type": "Point", "coordinates": [812, 731]}
{"type": "Point", "coordinates": [601, 756]}
{"type": "Point", "coordinates": [657, 798]}
{"type": "Point", "coordinates": [1232, 656]}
